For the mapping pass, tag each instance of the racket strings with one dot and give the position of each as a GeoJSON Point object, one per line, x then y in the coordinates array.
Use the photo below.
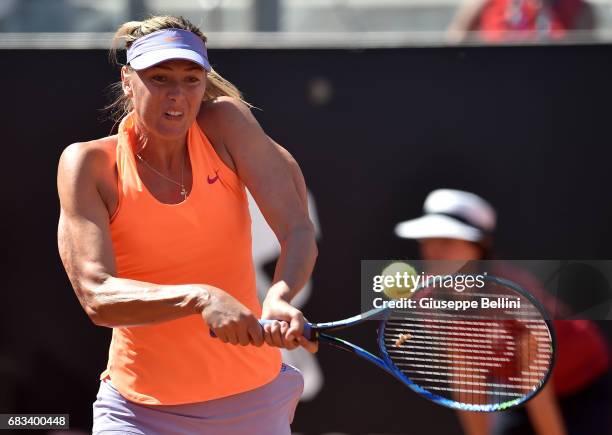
{"type": "Point", "coordinates": [474, 357]}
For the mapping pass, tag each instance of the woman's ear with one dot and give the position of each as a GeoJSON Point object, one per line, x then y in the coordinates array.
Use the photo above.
{"type": "Point", "coordinates": [125, 81]}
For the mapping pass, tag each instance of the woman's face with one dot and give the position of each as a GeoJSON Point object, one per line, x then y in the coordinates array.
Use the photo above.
{"type": "Point", "coordinates": [167, 96]}
{"type": "Point", "coordinates": [448, 249]}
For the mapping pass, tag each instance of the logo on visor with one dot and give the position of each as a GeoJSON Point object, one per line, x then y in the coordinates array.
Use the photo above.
{"type": "Point", "coordinates": [172, 38]}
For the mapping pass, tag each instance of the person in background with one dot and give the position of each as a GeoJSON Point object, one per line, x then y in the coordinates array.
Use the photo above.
{"type": "Point", "coordinates": [459, 225]}
{"type": "Point", "coordinates": [520, 20]}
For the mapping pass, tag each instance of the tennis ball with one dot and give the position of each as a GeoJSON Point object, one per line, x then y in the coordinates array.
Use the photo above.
{"type": "Point", "coordinates": [403, 283]}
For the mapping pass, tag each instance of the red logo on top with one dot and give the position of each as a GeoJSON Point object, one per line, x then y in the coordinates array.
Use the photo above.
{"type": "Point", "coordinates": [213, 179]}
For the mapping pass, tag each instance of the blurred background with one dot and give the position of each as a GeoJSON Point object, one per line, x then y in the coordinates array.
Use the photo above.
{"type": "Point", "coordinates": [380, 101]}
{"type": "Point", "coordinates": [318, 22]}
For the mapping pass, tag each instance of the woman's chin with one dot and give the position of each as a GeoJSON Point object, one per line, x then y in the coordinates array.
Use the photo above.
{"type": "Point", "coordinates": [171, 132]}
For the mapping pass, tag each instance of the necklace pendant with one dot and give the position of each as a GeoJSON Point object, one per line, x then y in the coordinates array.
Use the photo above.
{"type": "Point", "coordinates": [183, 192]}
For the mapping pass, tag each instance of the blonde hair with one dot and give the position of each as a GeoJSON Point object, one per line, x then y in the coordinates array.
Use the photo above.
{"type": "Point", "coordinates": [129, 32]}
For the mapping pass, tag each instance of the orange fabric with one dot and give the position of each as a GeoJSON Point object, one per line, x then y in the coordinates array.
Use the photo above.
{"type": "Point", "coordinates": [204, 239]}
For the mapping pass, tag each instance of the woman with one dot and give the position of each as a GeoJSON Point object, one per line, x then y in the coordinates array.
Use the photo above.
{"type": "Point", "coordinates": [154, 234]}
{"type": "Point", "coordinates": [457, 227]}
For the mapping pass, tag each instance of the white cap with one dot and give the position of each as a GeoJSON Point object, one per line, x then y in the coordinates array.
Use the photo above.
{"type": "Point", "coordinates": [451, 214]}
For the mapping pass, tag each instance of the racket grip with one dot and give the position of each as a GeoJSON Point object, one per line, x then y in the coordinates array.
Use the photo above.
{"type": "Point", "coordinates": [307, 329]}
{"type": "Point", "coordinates": [307, 333]}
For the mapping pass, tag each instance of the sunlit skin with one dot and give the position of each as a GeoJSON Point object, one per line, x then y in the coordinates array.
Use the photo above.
{"type": "Point", "coordinates": [171, 86]}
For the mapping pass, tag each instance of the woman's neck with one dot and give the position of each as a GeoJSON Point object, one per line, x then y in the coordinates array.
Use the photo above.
{"type": "Point", "coordinates": [162, 153]}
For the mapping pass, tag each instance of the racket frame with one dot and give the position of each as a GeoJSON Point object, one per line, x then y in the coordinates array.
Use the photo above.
{"type": "Point", "coordinates": [397, 373]}
{"type": "Point", "coordinates": [314, 331]}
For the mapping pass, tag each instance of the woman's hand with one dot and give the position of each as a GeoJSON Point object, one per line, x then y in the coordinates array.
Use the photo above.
{"type": "Point", "coordinates": [287, 331]}
{"type": "Point", "coordinates": [229, 319]}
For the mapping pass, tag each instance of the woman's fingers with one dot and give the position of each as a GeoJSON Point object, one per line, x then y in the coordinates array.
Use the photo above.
{"type": "Point", "coordinates": [310, 346]}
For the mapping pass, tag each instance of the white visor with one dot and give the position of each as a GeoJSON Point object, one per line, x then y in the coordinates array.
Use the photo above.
{"type": "Point", "coordinates": [167, 44]}
{"type": "Point", "coordinates": [437, 226]}
{"type": "Point", "coordinates": [151, 58]}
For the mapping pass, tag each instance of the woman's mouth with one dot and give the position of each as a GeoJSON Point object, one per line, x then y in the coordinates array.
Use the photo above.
{"type": "Point", "coordinates": [173, 114]}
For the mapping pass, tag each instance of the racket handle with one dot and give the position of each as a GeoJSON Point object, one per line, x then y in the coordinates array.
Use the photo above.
{"type": "Point", "coordinates": [307, 329]}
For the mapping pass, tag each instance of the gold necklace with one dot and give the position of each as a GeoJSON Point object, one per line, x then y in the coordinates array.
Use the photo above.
{"type": "Point", "coordinates": [181, 184]}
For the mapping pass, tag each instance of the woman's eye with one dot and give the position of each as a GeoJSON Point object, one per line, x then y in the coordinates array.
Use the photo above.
{"type": "Point", "coordinates": [193, 79]}
{"type": "Point", "coordinates": [159, 78]}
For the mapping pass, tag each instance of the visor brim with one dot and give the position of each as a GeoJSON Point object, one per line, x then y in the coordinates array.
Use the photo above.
{"type": "Point", "coordinates": [436, 226]}
{"type": "Point", "coordinates": [152, 58]}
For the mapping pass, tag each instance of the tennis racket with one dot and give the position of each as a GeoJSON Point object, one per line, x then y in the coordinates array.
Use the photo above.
{"type": "Point", "coordinates": [476, 359]}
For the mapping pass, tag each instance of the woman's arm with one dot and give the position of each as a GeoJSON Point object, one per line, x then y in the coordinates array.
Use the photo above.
{"type": "Point", "coordinates": [86, 250]}
{"type": "Point", "coordinates": [475, 423]}
{"type": "Point", "coordinates": [277, 185]}
{"type": "Point", "coordinates": [545, 414]}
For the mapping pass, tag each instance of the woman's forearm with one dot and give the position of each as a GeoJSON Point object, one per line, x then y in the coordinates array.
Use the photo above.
{"type": "Point", "coordinates": [297, 259]}
{"type": "Point", "coordinates": [474, 423]}
{"type": "Point", "coordinates": [119, 302]}
{"type": "Point", "coordinates": [545, 414]}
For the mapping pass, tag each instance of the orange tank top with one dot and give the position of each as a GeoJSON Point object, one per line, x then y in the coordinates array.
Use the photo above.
{"type": "Point", "coordinates": [204, 239]}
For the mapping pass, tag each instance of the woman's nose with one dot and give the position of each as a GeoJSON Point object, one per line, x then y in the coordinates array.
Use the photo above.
{"type": "Point", "coordinates": [175, 92]}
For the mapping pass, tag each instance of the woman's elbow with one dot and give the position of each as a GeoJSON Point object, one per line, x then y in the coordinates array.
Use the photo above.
{"type": "Point", "coordinates": [89, 297]}
{"type": "Point", "coordinates": [94, 315]}
{"type": "Point", "coordinates": [93, 309]}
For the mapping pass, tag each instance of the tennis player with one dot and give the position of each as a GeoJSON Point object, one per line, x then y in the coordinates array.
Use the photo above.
{"type": "Point", "coordinates": [459, 225]}
{"type": "Point", "coordinates": [155, 236]}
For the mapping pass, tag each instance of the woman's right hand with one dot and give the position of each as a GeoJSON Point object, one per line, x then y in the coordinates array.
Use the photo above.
{"type": "Point", "coordinates": [229, 319]}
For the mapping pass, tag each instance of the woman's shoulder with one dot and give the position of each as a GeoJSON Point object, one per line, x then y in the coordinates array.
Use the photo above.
{"type": "Point", "coordinates": [94, 158]}
{"type": "Point", "coordinates": [93, 161]}
{"type": "Point", "coordinates": [221, 113]}
{"type": "Point", "coordinates": [94, 152]}
{"type": "Point", "coordinates": [218, 119]}
{"type": "Point", "coordinates": [224, 106]}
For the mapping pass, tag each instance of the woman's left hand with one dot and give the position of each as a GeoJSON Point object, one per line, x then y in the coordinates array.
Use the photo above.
{"type": "Point", "coordinates": [287, 331]}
